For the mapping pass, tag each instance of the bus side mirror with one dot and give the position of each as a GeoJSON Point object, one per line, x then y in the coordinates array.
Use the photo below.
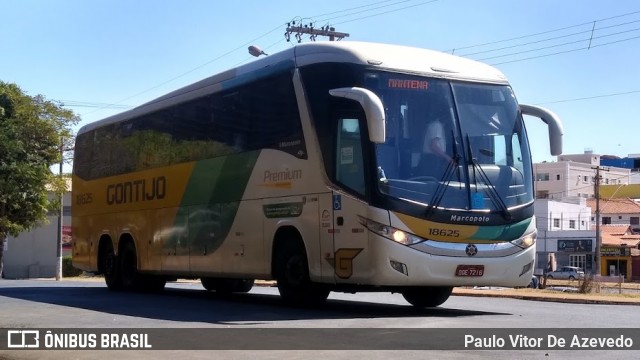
{"type": "Point", "coordinates": [373, 109]}
{"type": "Point", "coordinates": [552, 121]}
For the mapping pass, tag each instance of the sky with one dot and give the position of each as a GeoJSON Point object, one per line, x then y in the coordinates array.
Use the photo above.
{"type": "Point", "coordinates": [578, 58]}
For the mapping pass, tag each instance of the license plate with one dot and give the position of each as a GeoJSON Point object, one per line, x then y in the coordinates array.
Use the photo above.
{"type": "Point", "coordinates": [470, 270]}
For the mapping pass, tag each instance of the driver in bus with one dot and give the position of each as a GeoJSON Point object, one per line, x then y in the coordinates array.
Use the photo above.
{"type": "Point", "coordinates": [435, 142]}
{"type": "Point", "coordinates": [434, 158]}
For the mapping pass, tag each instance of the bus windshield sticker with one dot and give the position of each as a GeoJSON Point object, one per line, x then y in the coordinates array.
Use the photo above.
{"type": "Point", "coordinates": [477, 201]}
{"type": "Point", "coordinates": [346, 155]}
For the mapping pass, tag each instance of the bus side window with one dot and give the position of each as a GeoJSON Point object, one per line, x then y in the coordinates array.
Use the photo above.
{"type": "Point", "coordinates": [349, 162]}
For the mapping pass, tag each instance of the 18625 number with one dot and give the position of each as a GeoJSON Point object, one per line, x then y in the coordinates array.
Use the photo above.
{"type": "Point", "coordinates": [444, 232]}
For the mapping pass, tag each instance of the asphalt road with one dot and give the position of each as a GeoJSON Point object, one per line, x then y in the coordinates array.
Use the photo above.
{"type": "Point", "coordinates": [89, 305]}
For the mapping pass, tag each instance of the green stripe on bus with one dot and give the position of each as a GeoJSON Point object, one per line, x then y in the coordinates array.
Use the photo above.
{"type": "Point", "coordinates": [503, 232]}
{"type": "Point", "coordinates": [212, 198]}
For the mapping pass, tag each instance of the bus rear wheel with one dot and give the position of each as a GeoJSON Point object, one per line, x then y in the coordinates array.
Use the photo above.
{"type": "Point", "coordinates": [227, 286]}
{"type": "Point", "coordinates": [129, 267]}
{"type": "Point", "coordinates": [427, 296]}
{"type": "Point", "coordinates": [109, 266]}
{"type": "Point", "coordinates": [292, 276]}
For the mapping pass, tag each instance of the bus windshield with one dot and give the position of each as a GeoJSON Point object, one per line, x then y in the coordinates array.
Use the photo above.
{"type": "Point", "coordinates": [452, 145]}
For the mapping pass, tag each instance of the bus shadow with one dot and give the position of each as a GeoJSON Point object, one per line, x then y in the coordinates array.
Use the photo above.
{"type": "Point", "coordinates": [195, 305]}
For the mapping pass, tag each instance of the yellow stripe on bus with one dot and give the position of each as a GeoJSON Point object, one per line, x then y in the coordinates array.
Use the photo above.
{"type": "Point", "coordinates": [438, 231]}
{"type": "Point", "coordinates": [151, 189]}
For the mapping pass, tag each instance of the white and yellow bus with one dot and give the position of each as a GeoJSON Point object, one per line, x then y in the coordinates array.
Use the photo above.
{"type": "Point", "coordinates": [336, 166]}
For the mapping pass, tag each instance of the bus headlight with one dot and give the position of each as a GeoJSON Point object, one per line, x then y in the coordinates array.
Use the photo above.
{"type": "Point", "coordinates": [526, 241]}
{"type": "Point", "coordinates": [391, 233]}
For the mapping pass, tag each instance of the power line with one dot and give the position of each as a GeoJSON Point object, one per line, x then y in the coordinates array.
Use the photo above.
{"type": "Point", "coordinates": [368, 7]}
{"type": "Point", "coordinates": [386, 12]}
{"type": "Point", "coordinates": [354, 8]}
{"type": "Point", "coordinates": [194, 69]}
{"type": "Point", "coordinates": [594, 32]}
{"type": "Point", "coordinates": [545, 32]}
{"type": "Point", "coordinates": [75, 104]}
{"type": "Point", "coordinates": [588, 45]}
{"type": "Point", "coordinates": [388, 3]}
{"type": "Point", "coordinates": [589, 97]}
{"type": "Point", "coordinates": [363, 11]}
{"type": "Point", "coordinates": [525, 44]}
{"type": "Point", "coordinates": [532, 50]}
{"type": "Point", "coordinates": [566, 51]}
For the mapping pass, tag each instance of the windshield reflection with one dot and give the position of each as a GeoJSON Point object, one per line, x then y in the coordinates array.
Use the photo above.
{"type": "Point", "coordinates": [451, 144]}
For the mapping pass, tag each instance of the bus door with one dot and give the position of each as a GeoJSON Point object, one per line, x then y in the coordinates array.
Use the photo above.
{"type": "Point", "coordinates": [349, 235]}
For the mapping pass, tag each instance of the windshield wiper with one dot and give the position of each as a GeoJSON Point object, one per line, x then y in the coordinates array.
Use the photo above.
{"type": "Point", "coordinates": [491, 190]}
{"type": "Point", "coordinates": [442, 187]}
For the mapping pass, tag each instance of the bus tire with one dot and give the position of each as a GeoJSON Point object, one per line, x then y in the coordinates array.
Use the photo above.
{"type": "Point", "coordinates": [109, 266]}
{"type": "Point", "coordinates": [153, 283]}
{"type": "Point", "coordinates": [129, 267]}
{"type": "Point", "coordinates": [242, 285]}
{"type": "Point", "coordinates": [427, 296]}
{"type": "Point", "coordinates": [227, 286]}
{"type": "Point", "coordinates": [292, 276]}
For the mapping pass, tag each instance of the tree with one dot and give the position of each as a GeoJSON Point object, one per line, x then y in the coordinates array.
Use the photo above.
{"type": "Point", "coordinates": [33, 133]}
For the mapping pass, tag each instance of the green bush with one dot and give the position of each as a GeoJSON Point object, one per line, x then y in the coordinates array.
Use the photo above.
{"type": "Point", "coordinates": [67, 268]}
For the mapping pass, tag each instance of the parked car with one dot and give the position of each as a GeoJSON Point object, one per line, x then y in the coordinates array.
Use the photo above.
{"type": "Point", "coordinates": [566, 273]}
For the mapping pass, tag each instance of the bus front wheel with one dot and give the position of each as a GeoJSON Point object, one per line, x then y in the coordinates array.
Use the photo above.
{"type": "Point", "coordinates": [427, 296]}
{"type": "Point", "coordinates": [292, 276]}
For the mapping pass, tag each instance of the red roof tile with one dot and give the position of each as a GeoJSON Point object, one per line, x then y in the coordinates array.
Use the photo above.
{"type": "Point", "coordinates": [615, 206]}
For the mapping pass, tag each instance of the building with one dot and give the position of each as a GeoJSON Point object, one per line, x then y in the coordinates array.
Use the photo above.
{"type": "Point", "coordinates": [565, 236]}
{"type": "Point", "coordinates": [630, 191]}
{"type": "Point", "coordinates": [573, 176]}
{"type": "Point", "coordinates": [620, 247]}
{"type": "Point", "coordinates": [565, 247]}
{"type": "Point", "coordinates": [34, 254]}
{"type": "Point", "coordinates": [617, 212]}
{"type": "Point", "coordinates": [565, 214]}
{"type": "Point", "coordinates": [631, 162]}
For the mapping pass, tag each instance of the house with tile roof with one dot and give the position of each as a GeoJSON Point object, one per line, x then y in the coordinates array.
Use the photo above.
{"type": "Point", "coordinates": [620, 251]}
{"type": "Point", "coordinates": [617, 212]}
{"type": "Point", "coordinates": [620, 236]}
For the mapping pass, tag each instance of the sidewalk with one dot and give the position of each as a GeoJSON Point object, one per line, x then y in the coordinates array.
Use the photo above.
{"type": "Point", "coordinates": [550, 295]}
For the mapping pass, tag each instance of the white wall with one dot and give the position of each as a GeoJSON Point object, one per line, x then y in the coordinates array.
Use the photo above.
{"type": "Point", "coordinates": [570, 209]}
{"type": "Point", "coordinates": [33, 254]}
{"type": "Point", "coordinates": [568, 179]}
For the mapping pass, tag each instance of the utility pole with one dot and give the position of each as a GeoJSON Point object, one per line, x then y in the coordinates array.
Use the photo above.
{"type": "Point", "coordinates": [596, 190]}
{"type": "Point", "coordinates": [327, 31]}
{"type": "Point", "coordinates": [60, 215]}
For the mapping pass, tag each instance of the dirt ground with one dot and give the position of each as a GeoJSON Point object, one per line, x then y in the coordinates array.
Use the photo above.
{"type": "Point", "coordinates": [559, 291]}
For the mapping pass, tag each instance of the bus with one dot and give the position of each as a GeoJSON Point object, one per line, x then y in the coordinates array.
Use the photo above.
{"type": "Point", "coordinates": [329, 166]}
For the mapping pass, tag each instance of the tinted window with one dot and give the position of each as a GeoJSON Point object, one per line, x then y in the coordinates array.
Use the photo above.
{"type": "Point", "coordinates": [259, 115]}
